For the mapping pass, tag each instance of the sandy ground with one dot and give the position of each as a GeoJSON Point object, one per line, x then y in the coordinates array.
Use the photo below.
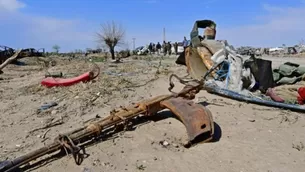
{"type": "Point", "coordinates": [252, 138]}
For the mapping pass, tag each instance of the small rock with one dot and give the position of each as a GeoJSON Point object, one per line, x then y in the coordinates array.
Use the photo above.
{"type": "Point", "coordinates": [251, 120]}
{"type": "Point", "coordinates": [53, 112]}
{"type": "Point", "coordinates": [164, 143]}
{"type": "Point", "coordinates": [96, 162]}
{"type": "Point", "coordinates": [76, 97]}
{"type": "Point", "coordinates": [18, 146]}
{"type": "Point", "coordinates": [38, 136]}
{"type": "Point", "coordinates": [155, 158]}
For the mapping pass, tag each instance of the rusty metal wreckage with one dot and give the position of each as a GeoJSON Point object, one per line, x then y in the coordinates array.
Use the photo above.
{"type": "Point", "coordinates": [196, 118]}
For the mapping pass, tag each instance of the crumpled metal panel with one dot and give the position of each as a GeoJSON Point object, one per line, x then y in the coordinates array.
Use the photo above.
{"type": "Point", "coordinates": [196, 118]}
{"type": "Point", "coordinates": [198, 60]}
{"type": "Point", "coordinates": [195, 66]}
{"type": "Point", "coordinates": [205, 55]}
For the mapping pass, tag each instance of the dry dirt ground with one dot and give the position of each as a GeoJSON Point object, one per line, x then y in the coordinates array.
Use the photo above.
{"type": "Point", "coordinates": [252, 138]}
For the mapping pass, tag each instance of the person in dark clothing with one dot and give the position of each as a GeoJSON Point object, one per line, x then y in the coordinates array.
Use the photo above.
{"type": "Point", "coordinates": [176, 48]}
{"type": "Point", "coordinates": [153, 48]}
{"type": "Point", "coordinates": [150, 47]}
{"type": "Point", "coordinates": [158, 46]}
{"type": "Point", "coordinates": [164, 46]}
{"type": "Point", "coordinates": [169, 48]}
{"type": "Point", "coordinates": [185, 43]}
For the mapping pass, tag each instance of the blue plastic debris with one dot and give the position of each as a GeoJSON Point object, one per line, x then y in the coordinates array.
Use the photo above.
{"type": "Point", "coordinates": [47, 106]}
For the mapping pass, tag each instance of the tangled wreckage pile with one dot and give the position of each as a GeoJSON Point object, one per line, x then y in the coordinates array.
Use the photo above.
{"type": "Point", "coordinates": [240, 77]}
{"type": "Point", "coordinates": [214, 66]}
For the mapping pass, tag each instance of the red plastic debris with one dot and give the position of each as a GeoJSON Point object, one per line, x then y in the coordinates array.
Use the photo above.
{"type": "Point", "coordinates": [52, 82]}
{"type": "Point", "coordinates": [301, 98]}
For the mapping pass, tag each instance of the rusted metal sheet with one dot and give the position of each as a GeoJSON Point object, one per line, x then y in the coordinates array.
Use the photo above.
{"type": "Point", "coordinates": [198, 60]}
{"type": "Point", "coordinates": [196, 118]}
{"type": "Point", "coordinates": [205, 55]}
{"type": "Point", "coordinates": [195, 66]}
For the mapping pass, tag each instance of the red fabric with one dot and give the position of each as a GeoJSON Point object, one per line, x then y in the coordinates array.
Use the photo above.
{"type": "Point", "coordinates": [51, 82]}
{"type": "Point", "coordinates": [301, 92]}
{"type": "Point", "coordinates": [270, 92]}
{"type": "Point", "coordinates": [300, 100]}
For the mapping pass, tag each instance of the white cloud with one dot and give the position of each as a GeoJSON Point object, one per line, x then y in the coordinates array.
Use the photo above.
{"type": "Point", "coordinates": [52, 29]}
{"type": "Point", "coordinates": [43, 32]}
{"type": "Point", "coordinates": [11, 5]}
{"type": "Point", "coordinates": [281, 25]}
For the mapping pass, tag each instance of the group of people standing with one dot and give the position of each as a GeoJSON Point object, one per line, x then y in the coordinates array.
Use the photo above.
{"type": "Point", "coordinates": [166, 47]}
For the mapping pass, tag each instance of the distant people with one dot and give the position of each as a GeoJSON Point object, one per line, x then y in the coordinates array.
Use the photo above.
{"type": "Point", "coordinates": [169, 48]}
{"type": "Point", "coordinates": [176, 47]}
{"type": "Point", "coordinates": [150, 48]}
{"type": "Point", "coordinates": [158, 47]}
{"type": "Point", "coordinates": [164, 46]}
{"type": "Point", "coordinates": [153, 48]}
{"type": "Point", "coordinates": [184, 43]}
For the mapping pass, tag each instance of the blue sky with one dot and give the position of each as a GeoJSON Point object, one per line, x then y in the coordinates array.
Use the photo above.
{"type": "Point", "coordinates": [72, 24]}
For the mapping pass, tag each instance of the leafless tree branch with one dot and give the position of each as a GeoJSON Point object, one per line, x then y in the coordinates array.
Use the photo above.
{"type": "Point", "coordinates": [111, 34]}
{"type": "Point", "coordinates": [9, 60]}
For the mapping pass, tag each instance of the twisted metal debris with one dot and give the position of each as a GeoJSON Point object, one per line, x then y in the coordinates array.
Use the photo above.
{"type": "Point", "coordinates": [196, 118]}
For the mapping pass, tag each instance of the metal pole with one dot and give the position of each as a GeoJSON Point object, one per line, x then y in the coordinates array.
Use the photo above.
{"type": "Point", "coordinates": [134, 43]}
{"type": "Point", "coordinates": [164, 38]}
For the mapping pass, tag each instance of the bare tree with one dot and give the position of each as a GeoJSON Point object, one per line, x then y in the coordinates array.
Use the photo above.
{"type": "Point", "coordinates": [56, 48]}
{"type": "Point", "coordinates": [111, 35]}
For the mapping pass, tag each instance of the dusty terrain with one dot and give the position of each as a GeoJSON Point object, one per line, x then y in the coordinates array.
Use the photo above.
{"type": "Point", "coordinates": [252, 138]}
